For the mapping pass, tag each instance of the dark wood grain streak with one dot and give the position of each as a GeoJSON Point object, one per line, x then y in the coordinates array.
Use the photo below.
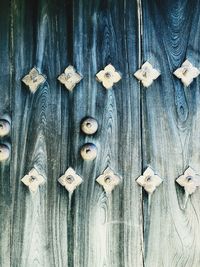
{"type": "Point", "coordinates": [29, 231]}
{"type": "Point", "coordinates": [158, 126]}
{"type": "Point", "coordinates": [5, 109]}
{"type": "Point", "coordinates": [58, 50]}
{"type": "Point", "coordinates": [107, 221]}
{"type": "Point", "coordinates": [88, 228]}
{"type": "Point", "coordinates": [170, 132]}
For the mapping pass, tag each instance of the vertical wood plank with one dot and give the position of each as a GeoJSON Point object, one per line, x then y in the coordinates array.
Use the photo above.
{"type": "Point", "coordinates": [29, 232]}
{"type": "Point", "coordinates": [110, 232]}
{"type": "Point", "coordinates": [88, 229]}
{"type": "Point", "coordinates": [170, 133]}
{"type": "Point", "coordinates": [5, 110]}
{"type": "Point", "coordinates": [58, 51]}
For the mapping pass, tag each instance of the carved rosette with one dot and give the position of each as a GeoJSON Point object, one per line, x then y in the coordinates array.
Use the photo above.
{"type": "Point", "coordinates": [70, 78]}
{"type": "Point", "coordinates": [109, 180]}
{"type": "Point", "coordinates": [33, 180]}
{"type": "Point", "coordinates": [70, 180]}
{"type": "Point", "coordinates": [108, 76]}
{"type": "Point", "coordinates": [149, 180]}
{"type": "Point", "coordinates": [147, 74]}
{"type": "Point", "coordinates": [187, 72]}
{"type": "Point", "coordinates": [190, 180]}
{"type": "Point", "coordinates": [34, 79]}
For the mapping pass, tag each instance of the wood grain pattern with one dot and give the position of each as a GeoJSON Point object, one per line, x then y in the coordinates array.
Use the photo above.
{"type": "Point", "coordinates": [88, 228]}
{"type": "Point", "coordinates": [158, 126]}
{"type": "Point", "coordinates": [29, 223]}
{"type": "Point", "coordinates": [171, 134]}
{"type": "Point", "coordinates": [106, 222]}
{"type": "Point", "coordinates": [5, 109]}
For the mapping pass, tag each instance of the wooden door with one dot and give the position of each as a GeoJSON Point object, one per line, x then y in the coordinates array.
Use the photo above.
{"type": "Point", "coordinates": [138, 126]}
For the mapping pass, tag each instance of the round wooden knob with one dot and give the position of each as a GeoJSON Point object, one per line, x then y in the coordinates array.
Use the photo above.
{"type": "Point", "coordinates": [4, 127]}
{"type": "Point", "coordinates": [89, 151]}
{"type": "Point", "coordinates": [89, 126]}
{"type": "Point", "coordinates": [4, 152]}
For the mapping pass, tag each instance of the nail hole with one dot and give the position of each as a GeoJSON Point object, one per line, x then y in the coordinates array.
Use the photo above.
{"type": "Point", "coordinates": [189, 178]}
{"type": "Point", "coordinates": [144, 74]}
{"type": "Point", "coordinates": [107, 75]}
{"type": "Point", "coordinates": [185, 70]}
{"type": "Point", "coordinates": [32, 178]}
{"type": "Point", "coordinates": [88, 124]}
{"type": "Point", "coordinates": [107, 179]}
{"type": "Point", "coordinates": [70, 179]}
{"type": "Point", "coordinates": [148, 179]}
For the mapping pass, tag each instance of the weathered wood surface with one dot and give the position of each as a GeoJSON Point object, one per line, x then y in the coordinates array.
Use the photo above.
{"type": "Point", "coordinates": [171, 132]}
{"type": "Point", "coordinates": [111, 229]}
{"type": "Point", "coordinates": [5, 109]}
{"type": "Point", "coordinates": [89, 228]}
{"type": "Point", "coordinates": [138, 127]}
{"type": "Point", "coordinates": [29, 136]}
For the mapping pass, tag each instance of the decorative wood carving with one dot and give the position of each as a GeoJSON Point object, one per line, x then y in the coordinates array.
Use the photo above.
{"type": "Point", "coordinates": [109, 180]}
{"type": "Point", "coordinates": [33, 180]}
{"type": "Point", "coordinates": [147, 74]}
{"type": "Point", "coordinates": [187, 72]}
{"type": "Point", "coordinates": [190, 180]}
{"type": "Point", "coordinates": [4, 152]}
{"type": "Point", "coordinates": [89, 126]}
{"type": "Point", "coordinates": [108, 76]}
{"type": "Point", "coordinates": [89, 151]}
{"type": "Point", "coordinates": [149, 180]}
{"type": "Point", "coordinates": [4, 127]}
{"type": "Point", "coordinates": [70, 78]}
{"type": "Point", "coordinates": [70, 180]}
{"type": "Point", "coordinates": [34, 79]}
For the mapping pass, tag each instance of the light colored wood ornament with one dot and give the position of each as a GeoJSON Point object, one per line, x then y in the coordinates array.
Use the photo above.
{"type": "Point", "coordinates": [33, 180]}
{"type": "Point", "coordinates": [147, 74]}
{"type": "Point", "coordinates": [4, 152]}
{"type": "Point", "coordinates": [187, 72]}
{"type": "Point", "coordinates": [89, 126]}
{"type": "Point", "coordinates": [108, 76]}
{"type": "Point", "coordinates": [109, 180]}
{"type": "Point", "coordinates": [34, 79]}
{"type": "Point", "coordinates": [89, 151]}
{"type": "Point", "coordinates": [70, 78]}
{"type": "Point", "coordinates": [190, 180]}
{"type": "Point", "coordinates": [149, 180]}
{"type": "Point", "coordinates": [70, 180]}
{"type": "Point", "coordinates": [4, 127]}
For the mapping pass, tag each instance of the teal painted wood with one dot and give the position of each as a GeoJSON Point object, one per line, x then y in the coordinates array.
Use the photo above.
{"type": "Point", "coordinates": [5, 109]}
{"type": "Point", "coordinates": [170, 132]}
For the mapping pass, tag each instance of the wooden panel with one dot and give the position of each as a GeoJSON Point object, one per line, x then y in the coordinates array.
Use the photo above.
{"type": "Point", "coordinates": [5, 188]}
{"type": "Point", "coordinates": [29, 136]}
{"type": "Point", "coordinates": [171, 132]}
{"type": "Point", "coordinates": [106, 230]}
{"type": "Point", "coordinates": [89, 228]}
{"type": "Point", "coordinates": [57, 58]}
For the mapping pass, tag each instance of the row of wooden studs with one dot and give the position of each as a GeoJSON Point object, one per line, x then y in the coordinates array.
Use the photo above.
{"type": "Point", "coordinates": [190, 180]}
{"type": "Point", "coordinates": [109, 76]}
